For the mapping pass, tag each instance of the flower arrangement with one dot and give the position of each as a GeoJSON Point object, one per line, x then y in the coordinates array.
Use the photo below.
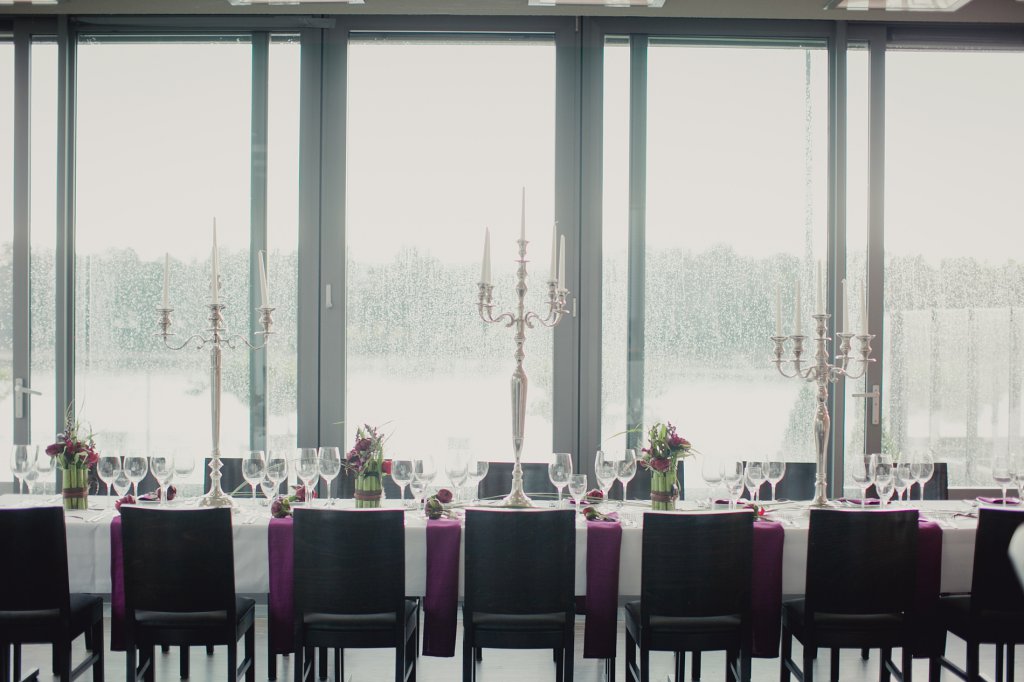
{"type": "Point", "coordinates": [155, 496]}
{"type": "Point", "coordinates": [435, 504]}
{"type": "Point", "coordinates": [281, 506]}
{"type": "Point", "coordinates": [366, 461]}
{"type": "Point", "coordinates": [661, 457]}
{"type": "Point", "coordinates": [74, 453]}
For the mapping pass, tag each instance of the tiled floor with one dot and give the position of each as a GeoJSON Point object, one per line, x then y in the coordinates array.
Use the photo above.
{"type": "Point", "coordinates": [498, 665]}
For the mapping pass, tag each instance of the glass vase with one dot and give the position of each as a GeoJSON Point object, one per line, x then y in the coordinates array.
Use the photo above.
{"type": "Point", "coordinates": [75, 487]}
{"type": "Point", "coordinates": [369, 491]}
{"type": "Point", "coordinates": [664, 489]}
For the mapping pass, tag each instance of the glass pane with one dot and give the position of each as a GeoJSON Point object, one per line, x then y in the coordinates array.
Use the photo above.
{"type": "Point", "coordinates": [736, 206]}
{"type": "Point", "coordinates": [43, 231]}
{"type": "Point", "coordinates": [283, 240]}
{"type": "Point", "coordinates": [952, 274]}
{"type": "Point", "coordinates": [857, 146]}
{"type": "Point", "coordinates": [163, 149]}
{"type": "Point", "coordinates": [615, 243]}
{"type": "Point", "coordinates": [6, 256]}
{"type": "Point", "coordinates": [441, 136]}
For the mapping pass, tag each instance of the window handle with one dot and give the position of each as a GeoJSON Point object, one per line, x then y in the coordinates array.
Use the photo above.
{"type": "Point", "coordinates": [875, 396]}
{"type": "Point", "coordinates": [20, 391]}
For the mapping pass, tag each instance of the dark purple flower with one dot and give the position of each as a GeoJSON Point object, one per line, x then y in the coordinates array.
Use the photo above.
{"type": "Point", "coordinates": [659, 464]}
{"type": "Point", "coordinates": [55, 449]}
{"type": "Point", "coordinates": [300, 493]}
{"type": "Point", "coordinates": [280, 507]}
{"type": "Point", "coordinates": [444, 496]}
{"type": "Point", "coordinates": [434, 508]}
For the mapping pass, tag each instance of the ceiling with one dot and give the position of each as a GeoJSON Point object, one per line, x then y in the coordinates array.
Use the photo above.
{"type": "Point", "coordinates": [977, 11]}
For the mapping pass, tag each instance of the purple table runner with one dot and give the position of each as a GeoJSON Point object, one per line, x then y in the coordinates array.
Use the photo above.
{"type": "Point", "coordinates": [766, 589]}
{"type": "Point", "coordinates": [441, 601]}
{"type": "Point", "coordinates": [280, 605]}
{"type": "Point", "coordinates": [604, 541]}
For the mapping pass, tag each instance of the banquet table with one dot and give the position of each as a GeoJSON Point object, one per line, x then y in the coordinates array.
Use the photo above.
{"type": "Point", "coordinates": [89, 555]}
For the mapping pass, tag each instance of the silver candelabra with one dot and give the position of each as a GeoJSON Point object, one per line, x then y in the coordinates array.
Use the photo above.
{"type": "Point", "coordinates": [823, 373]}
{"type": "Point", "coordinates": [520, 320]}
{"type": "Point", "coordinates": [216, 337]}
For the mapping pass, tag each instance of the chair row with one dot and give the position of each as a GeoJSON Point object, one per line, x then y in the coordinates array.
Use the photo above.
{"type": "Point", "coordinates": [519, 569]}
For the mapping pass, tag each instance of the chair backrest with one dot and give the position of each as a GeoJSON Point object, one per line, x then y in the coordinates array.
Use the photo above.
{"type": "Point", "coordinates": [994, 585]}
{"type": "Point", "coordinates": [498, 480]}
{"type": "Point", "coordinates": [861, 562]}
{"type": "Point", "coordinates": [349, 561]}
{"type": "Point", "coordinates": [697, 564]}
{"type": "Point", "coordinates": [520, 561]}
{"type": "Point", "coordinates": [34, 570]}
{"type": "Point", "coordinates": [178, 560]}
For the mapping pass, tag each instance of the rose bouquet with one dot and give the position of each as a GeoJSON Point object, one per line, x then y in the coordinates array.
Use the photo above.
{"type": "Point", "coordinates": [434, 507]}
{"type": "Point", "coordinates": [366, 461]}
{"type": "Point", "coordinates": [281, 506]}
{"type": "Point", "coordinates": [661, 457]}
{"type": "Point", "coordinates": [74, 453]}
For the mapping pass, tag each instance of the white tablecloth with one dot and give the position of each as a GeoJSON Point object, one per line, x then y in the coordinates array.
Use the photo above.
{"type": "Point", "coordinates": [88, 536]}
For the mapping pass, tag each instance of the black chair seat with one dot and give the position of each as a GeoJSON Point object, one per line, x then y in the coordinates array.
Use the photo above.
{"type": "Point", "coordinates": [30, 626]}
{"type": "Point", "coordinates": [527, 621]}
{"type": "Point", "coordinates": [985, 626]}
{"type": "Point", "coordinates": [357, 621]}
{"type": "Point", "coordinates": [872, 626]}
{"type": "Point", "coordinates": [194, 619]}
{"type": "Point", "coordinates": [687, 625]}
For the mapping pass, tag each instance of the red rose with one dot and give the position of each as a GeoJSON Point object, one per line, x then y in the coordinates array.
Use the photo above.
{"type": "Point", "coordinates": [92, 459]}
{"type": "Point", "coordinates": [444, 496]}
{"type": "Point", "coordinates": [55, 449]}
{"type": "Point", "coordinates": [659, 464]}
{"type": "Point", "coordinates": [386, 467]}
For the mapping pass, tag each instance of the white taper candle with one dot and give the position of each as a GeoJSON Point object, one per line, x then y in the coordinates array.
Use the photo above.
{"type": "Point", "coordinates": [485, 269]}
{"type": "Point", "coordinates": [522, 220]}
{"type": "Point", "coordinates": [796, 321]}
{"type": "Point", "coordinates": [864, 309]}
{"type": "Point", "coordinates": [561, 263]}
{"type": "Point", "coordinates": [819, 308]}
{"type": "Point", "coordinates": [553, 272]}
{"type": "Point", "coordinates": [778, 310]}
{"type": "Point", "coordinates": [167, 281]}
{"type": "Point", "coordinates": [215, 282]}
{"type": "Point", "coordinates": [845, 322]}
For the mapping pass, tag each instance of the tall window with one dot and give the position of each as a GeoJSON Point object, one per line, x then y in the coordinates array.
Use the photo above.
{"type": "Point", "coordinates": [953, 279]}
{"type": "Point", "coordinates": [6, 251]}
{"type": "Point", "coordinates": [736, 151]}
{"type": "Point", "coordinates": [441, 136]}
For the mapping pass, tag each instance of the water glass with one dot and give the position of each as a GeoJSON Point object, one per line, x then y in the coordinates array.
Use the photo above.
{"type": "Point", "coordinates": [903, 479]}
{"type": "Point", "coordinates": [711, 472]}
{"type": "Point", "coordinates": [885, 480]}
{"type": "Point", "coordinates": [476, 472]}
{"type": "Point", "coordinates": [22, 459]}
{"type": "Point", "coordinates": [1002, 473]}
{"type": "Point", "coordinates": [162, 467]}
{"type": "Point", "coordinates": [277, 469]}
{"type": "Point", "coordinates": [401, 473]}
{"type": "Point", "coordinates": [578, 489]}
{"type": "Point", "coordinates": [862, 471]}
{"type": "Point", "coordinates": [733, 475]}
{"type": "Point", "coordinates": [605, 471]}
{"type": "Point", "coordinates": [107, 469]}
{"type": "Point", "coordinates": [626, 470]}
{"type": "Point", "coordinates": [254, 469]}
{"type": "Point", "coordinates": [307, 468]}
{"type": "Point", "coordinates": [754, 477]}
{"type": "Point", "coordinates": [922, 468]}
{"type": "Point", "coordinates": [44, 468]}
{"type": "Point", "coordinates": [269, 489]}
{"type": "Point", "coordinates": [456, 467]}
{"type": "Point", "coordinates": [424, 470]}
{"type": "Point", "coordinates": [774, 472]}
{"type": "Point", "coordinates": [122, 484]}
{"type": "Point", "coordinates": [559, 471]}
{"type": "Point", "coordinates": [136, 467]}
{"type": "Point", "coordinates": [330, 466]}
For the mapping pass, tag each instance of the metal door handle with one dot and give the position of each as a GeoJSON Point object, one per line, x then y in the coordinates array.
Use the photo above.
{"type": "Point", "coordinates": [20, 391]}
{"type": "Point", "coordinates": [875, 396]}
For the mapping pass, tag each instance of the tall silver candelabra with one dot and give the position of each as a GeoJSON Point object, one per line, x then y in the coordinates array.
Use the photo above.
{"type": "Point", "coordinates": [520, 320]}
{"type": "Point", "coordinates": [823, 373]}
{"type": "Point", "coordinates": [216, 337]}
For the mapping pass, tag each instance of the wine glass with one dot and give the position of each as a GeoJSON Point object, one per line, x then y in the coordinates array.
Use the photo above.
{"type": "Point", "coordinates": [862, 471]}
{"type": "Point", "coordinates": [625, 470]}
{"type": "Point", "coordinates": [903, 479]}
{"type": "Point", "coordinates": [269, 489]}
{"type": "Point", "coordinates": [136, 466]}
{"type": "Point", "coordinates": [401, 473]}
{"type": "Point", "coordinates": [1002, 473]}
{"type": "Point", "coordinates": [307, 468]}
{"type": "Point", "coordinates": [22, 459]}
{"type": "Point", "coordinates": [1018, 470]}
{"type": "Point", "coordinates": [277, 469]}
{"type": "Point", "coordinates": [605, 471]}
{"type": "Point", "coordinates": [107, 469]}
{"type": "Point", "coordinates": [711, 472]}
{"type": "Point", "coordinates": [423, 472]}
{"type": "Point", "coordinates": [44, 468]}
{"type": "Point", "coordinates": [774, 472]}
{"type": "Point", "coordinates": [456, 467]}
{"type": "Point", "coordinates": [330, 466]}
{"type": "Point", "coordinates": [922, 467]}
{"type": "Point", "coordinates": [122, 484]}
{"type": "Point", "coordinates": [254, 468]}
{"type": "Point", "coordinates": [578, 488]}
{"type": "Point", "coordinates": [162, 467]}
{"type": "Point", "coordinates": [184, 467]}
{"type": "Point", "coordinates": [754, 477]}
{"type": "Point", "coordinates": [885, 479]}
{"type": "Point", "coordinates": [477, 471]}
{"type": "Point", "coordinates": [559, 471]}
{"type": "Point", "coordinates": [733, 475]}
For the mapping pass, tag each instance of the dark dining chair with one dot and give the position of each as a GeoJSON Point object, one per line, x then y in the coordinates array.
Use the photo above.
{"type": "Point", "coordinates": [693, 600]}
{"type": "Point", "coordinates": [350, 588]}
{"type": "Point", "coordinates": [36, 605]}
{"type": "Point", "coordinates": [993, 613]}
{"type": "Point", "coordinates": [498, 481]}
{"type": "Point", "coordinates": [520, 571]}
{"type": "Point", "coordinates": [179, 579]}
{"type": "Point", "coordinates": [861, 574]}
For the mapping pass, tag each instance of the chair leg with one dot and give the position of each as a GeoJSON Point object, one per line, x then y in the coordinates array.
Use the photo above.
{"type": "Point", "coordinates": [609, 669]}
{"type": "Point", "coordinates": [809, 655]}
{"type": "Point", "coordinates": [630, 658]}
{"type": "Point", "coordinates": [150, 675]}
{"type": "Point", "coordinates": [908, 664]}
{"type": "Point", "coordinates": [785, 655]}
{"type": "Point", "coordinates": [934, 669]}
{"type": "Point", "coordinates": [972, 661]}
{"type": "Point", "coordinates": [183, 662]}
{"type": "Point", "coordinates": [568, 657]}
{"type": "Point", "coordinates": [16, 661]}
{"type": "Point", "coordinates": [883, 670]}
{"type": "Point", "coordinates": [63, 650]}
{"type": "Point", "coordinates": [338, 676]}
{"type": "Point", "coordinates": [233, 662]}
{"type": "Point", "coordinates": [165, 648]}
{"type": "Point", "coordinates": [865, 653]}
{"type": "Point", "coordinates": [323, 663]}
{"type": "Point", "coordinates": [5, 664]}
{"type": "Point", "coordinates": [731, 656]}
{"type": "Point", "coordinates": [98, 651]}
{"type": "Point", "coordinates": [999, 662]}
{"type": "Point", "coordinates": [468, 657]}
{"type": "Point", "coordinates": [696, 668]}
{"type": "Point", "coordinates": [559, 670]}
{"type": "Point", "coordinates": [55, 658]}
{"type": "Point", "coordinates": [250, 653]}
{"type": "Point", "coordinates": [209, 650]}
{"type": "Point", "coordinates": [834, 670]}
{"type": "Point", "coordinates": [680, 665]}
{"type": "Point", "coordinates": [130, 663]}
{"type": "Point", "coordinates": [478, 654]}
{"type": "Point", "coordinates": [297, 662]}
{"type": "Point", "coordinates": [1009, 662]}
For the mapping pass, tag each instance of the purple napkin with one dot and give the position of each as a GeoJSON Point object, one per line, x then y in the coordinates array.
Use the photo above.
{"type": "Point", "coordinates": [441, 601]}
{"type": "Point", "coordinates": [999, 500]}
{"type": "Point", "coordinates": [117, 613]}
{"type": "Point", "coordinates": [604, 540]}
{"type": "Point", "coordinates": [766, 589]}
{"type": "Point", "coordinates": [280, 600]}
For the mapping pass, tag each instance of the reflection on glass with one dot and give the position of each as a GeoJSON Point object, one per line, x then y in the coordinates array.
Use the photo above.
{"type": "Point", "coordinates": [953, 316]}
{"type": "Point", "coordinates": [441, 136]}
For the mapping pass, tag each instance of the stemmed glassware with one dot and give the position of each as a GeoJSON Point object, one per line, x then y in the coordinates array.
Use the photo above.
{"type": "Point", "coordinates": [254, 469]}
{"type": "Point", "coordinates": [184, 467]}
{"type": "Point", "coordinates": [578, 488]}
{"type": "Point", "coordinates": [885, 479]}
{"type": "Point", "coordinates": [1002, 473]}
{"type": "Point", "coordinates": [307, 468]}
{"type": "Point", "coordinates": [903, 479]}
{"type": "Point", "coordinates": [277, 469]}
{"type": "Point", "coordinates": [605, 471]}
{"type": "Point", "coordinates": [476, 472]}
{"type": "Point", "coordinates": [711, 472]}
{"type": "Point", "coordinates": [136, 467]}
{"type": "Point", "coordinates": [122, 484]}
{"type": "Point", "coordinates": [863, 474]}
{"type": "Point", "coordinates": [456, 467]}
{"type": "Point", "coordinates": [162, 466]}
{"type": "Point", "coordinates": [1018, 470]}
{"type": "Point", "coordinates": [559, 472]}
{"type": "Point", "coordinates": [626, 469]}
{"type": "Point", "coordinates": [423, 472]}
{"type": "Point", "coordinates": [22, 460]}
{"type": "Point", "coordinates": [774, 472]}
{"type": "Point", "coordinates": [329, 458]}
{"type": "Point", "coordinates": [733, 475]}
{"type": "Point", "coordinates": [44, 468]}
{"type": "Point", "coordinates": [922, 468]}
{"type": "Point", "coordinates": [401, 473]}
{"type": "Point", "coordinates": [754, 478]}
{"type": "Point", "coordinates": [107, 469]}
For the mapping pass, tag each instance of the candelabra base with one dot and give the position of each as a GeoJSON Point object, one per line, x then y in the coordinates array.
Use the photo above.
{"type": "Point", "coordinates": [216, 498]}
{"type": "Point", "coordinates": [517, 500]}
